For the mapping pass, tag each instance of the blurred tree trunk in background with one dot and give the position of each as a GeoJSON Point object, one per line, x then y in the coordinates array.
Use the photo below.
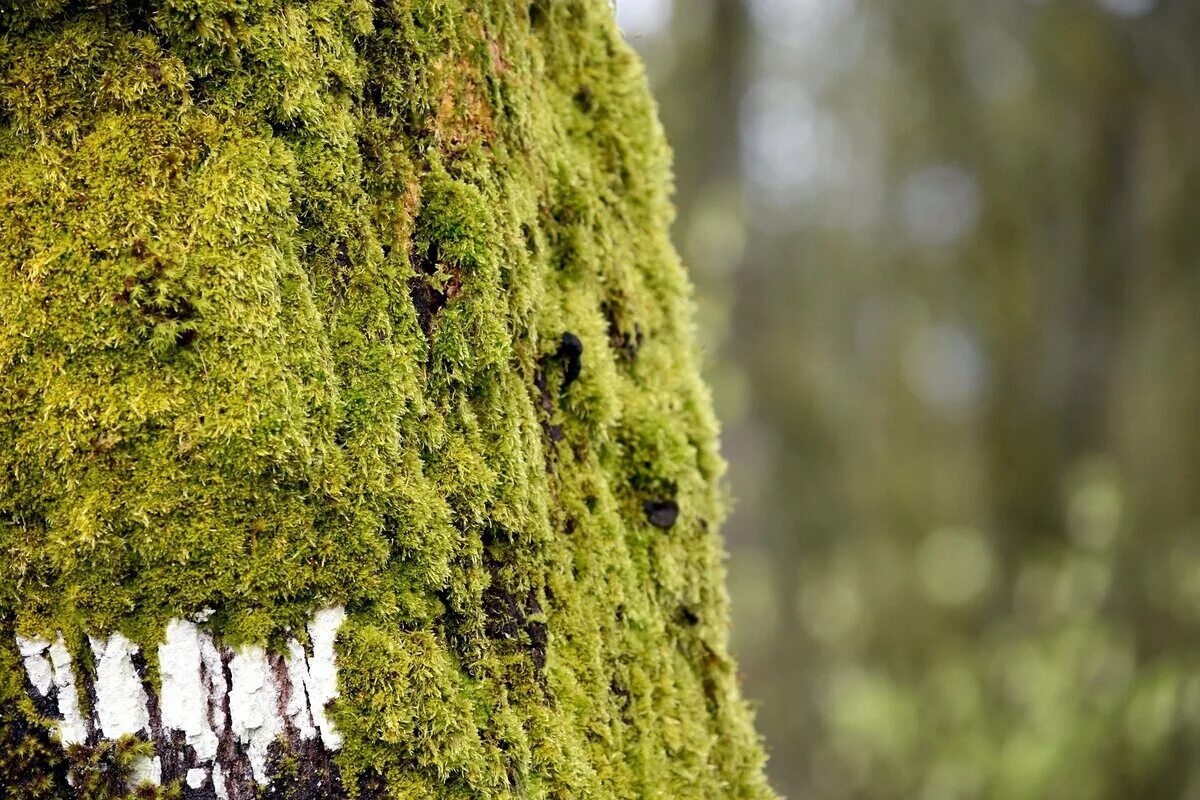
{"type": "Point", "coordinates": [958, 374]}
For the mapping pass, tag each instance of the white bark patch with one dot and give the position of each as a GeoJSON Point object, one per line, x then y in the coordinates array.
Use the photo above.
{"type": "Point", "coordinates": [298, 704]}
{"type": "Point", "coordinates": [266, 697]}
{"type": "Point", "coordinates": [37, 666]}
{"type": "Point", "coordinates": [195, 777]}
{"type": "Point", "coordinates": [218, 779]}
{"type": "Point", "coordinates": [49, 667]}
{"type": "Point", "coordinates": [184, 699]}
{"type": "Point", "coordinates": [121, 702]}
{"type": "Point", "coordinates": [146, 770]}
{"type": "Point", "coordinates": [322, 671]}
{"type": "Point", "coordinates": [31, 647]}
{"type": "Point", "coordinates": [215, 687]}
{"type": "Point", "coordinates": [73, 727]}
{"type": "Point", "coordinates": [254, 705]}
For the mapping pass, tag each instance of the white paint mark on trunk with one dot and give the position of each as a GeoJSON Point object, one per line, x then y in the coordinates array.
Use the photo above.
{"type": "Point", "coordinates": [322, 670]}
{"type": "Point", "coordinates": [37, 666]}
{"type": "Point", "coordinates": [121, 702]}
{"type": "Point", "coordinates": [297, 706]}
{"type": "Point", "coordinates": [215, 686]}
{"type": "Point", "coordinates": [218, 779]}
{"type": "Point", "coordinates": [73, 728]}
{"type": "Point", "coordinates": [184, 698]}
{"type": "Point", "coordinates": [146, 770]}
{"type": "Point", "coordinates": [267, 698]}
{"type": "Point", "coordinates": [254, 706]}
{"type": "Point", "coordinates": [31, 647]}
{"type": "Point", "coordinates": [195, 777]}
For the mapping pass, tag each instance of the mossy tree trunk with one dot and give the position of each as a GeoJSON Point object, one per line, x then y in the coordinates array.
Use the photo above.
{"type": "Point", "coordinates": [352, 442]}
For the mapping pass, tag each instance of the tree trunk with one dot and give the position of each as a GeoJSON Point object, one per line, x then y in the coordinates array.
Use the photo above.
{"type": "Point", "coordinates": [352, 442]}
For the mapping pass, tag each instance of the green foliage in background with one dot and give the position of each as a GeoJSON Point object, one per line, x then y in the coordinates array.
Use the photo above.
{"type": "Point", "coordinates": [307, 302]}
{"type": "Point", "coordinates": [947, 259]}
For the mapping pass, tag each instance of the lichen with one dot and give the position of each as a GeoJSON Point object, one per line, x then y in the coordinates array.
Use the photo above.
{"type": "Point", "coordinates": [329, 302]}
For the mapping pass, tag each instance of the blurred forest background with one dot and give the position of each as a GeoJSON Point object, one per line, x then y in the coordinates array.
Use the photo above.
{"type": "Point", "coordinates": [947, 258]}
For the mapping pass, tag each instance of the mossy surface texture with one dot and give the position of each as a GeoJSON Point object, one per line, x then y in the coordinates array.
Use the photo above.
{"type": "Point", "coordinates": [371, 304]}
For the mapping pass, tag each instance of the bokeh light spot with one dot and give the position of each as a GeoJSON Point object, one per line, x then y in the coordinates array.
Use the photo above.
{"type": "Point", "coordinates": [1128, 8]}
{"type": "Point", "coordinates": [955, 565]}
{"type": "Point", "coordinates": [644, 17]}
{"type": "Point", "coordinates": [939, 204]}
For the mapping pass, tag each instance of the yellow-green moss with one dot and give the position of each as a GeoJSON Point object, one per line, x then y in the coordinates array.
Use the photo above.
{"type": "Point", "coordinates": [286, 294]}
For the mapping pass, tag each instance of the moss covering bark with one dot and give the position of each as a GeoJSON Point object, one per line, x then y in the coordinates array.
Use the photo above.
{"type": "Point", "coordinates": [310, 302]}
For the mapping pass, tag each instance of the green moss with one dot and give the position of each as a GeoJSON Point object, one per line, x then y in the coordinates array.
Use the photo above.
{"type": "Point", "coordinates": [283, 295]}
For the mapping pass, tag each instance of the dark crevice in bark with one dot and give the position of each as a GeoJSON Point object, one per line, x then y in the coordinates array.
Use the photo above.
{"type": "Point", "coordinates": [232, 756]}
{"type": "Point", "coordinates": [302, 770]}
{"type": "Point", "coordinates": [46, 705]}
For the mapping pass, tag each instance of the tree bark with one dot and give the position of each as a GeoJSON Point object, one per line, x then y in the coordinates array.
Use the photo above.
{"type": "Point", "coordinates": [352, 440]}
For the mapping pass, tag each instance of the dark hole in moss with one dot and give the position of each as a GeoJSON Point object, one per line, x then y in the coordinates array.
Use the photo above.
{"type": "Point", "coordinates": [711, 695]}
{"type": "Point", "coordinates": [661, 513]}
{"type": "Point", "coordinates": [373, 95]}
{"type": "Point", "coordinates": [340, 273]}
{"type": "Point", "coordinates": [538, 13]}
{"type": "Point", "coordinates": [493, 537]}
{"type": "Point", "coordinates": [585, 99]}
{"type": "Point", "coordinates": [624, 697]}
{"type": "Point", "coordinates": [626, 344]}
{"type": "Point", "coordinates": [427, 299]}
{"type": "Point", "coordinates": [570, 353]}
{"type": "Point", "coordinates": [504, 617]}
{"type": "Point", "coordinates": [538, 639]}
{"type": "Point", "coordinates": [285, 127]}
{"type": "Point", "coordinates": [507, 620]}
{"type": "Point", "coordinates": [164, 310]}
{"type": "Point", "coordinates": [140, 14]}
{"type": "Point", "coordinates": [538, 633]}
{"type": "Point", "coordinates": [687, 616]}
{"type": "Point", "coordinates": [177, 310]}
{"type": "Point", "coordinates": [531, 243]}
{"type": "Point", "coordinates": [185, 338]}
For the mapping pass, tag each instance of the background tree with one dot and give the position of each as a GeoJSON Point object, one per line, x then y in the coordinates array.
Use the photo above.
{"type": "Point", "coordinates": [950, 298]}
